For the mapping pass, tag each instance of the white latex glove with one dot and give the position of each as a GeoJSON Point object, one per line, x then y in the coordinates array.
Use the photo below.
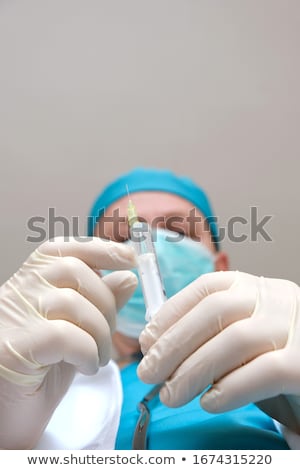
{"type": "Point", "coordinates": [56, 317]}
{"type": "Point", "coordinates": [238, 334]}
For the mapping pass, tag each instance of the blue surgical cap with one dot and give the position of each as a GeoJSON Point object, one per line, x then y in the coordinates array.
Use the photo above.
{"type": "Point", "coordinates": [149, 179]}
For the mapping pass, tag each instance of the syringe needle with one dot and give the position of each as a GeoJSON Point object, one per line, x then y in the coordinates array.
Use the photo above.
{"type": "Point", "coordinates": [131, 211]}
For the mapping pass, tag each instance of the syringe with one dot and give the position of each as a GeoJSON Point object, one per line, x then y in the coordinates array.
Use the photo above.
{"type": "Point", "coordinates": [148, 269]}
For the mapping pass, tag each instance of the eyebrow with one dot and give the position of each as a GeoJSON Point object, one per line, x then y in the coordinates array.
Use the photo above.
{"type": "Point", "coordinates": [181, 214]}
{"type": "Point", "coordinates": [197, 218]}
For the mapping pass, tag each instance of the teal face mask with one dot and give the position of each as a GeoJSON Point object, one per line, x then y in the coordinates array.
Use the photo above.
{"type": "Point", "coordinates": [181, 261]}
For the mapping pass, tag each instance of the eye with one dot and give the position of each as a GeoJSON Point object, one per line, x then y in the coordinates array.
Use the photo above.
{"type": "Point", "coordinates": [175, 225]}
{"type": "Point", "coordinates": [179, 231]}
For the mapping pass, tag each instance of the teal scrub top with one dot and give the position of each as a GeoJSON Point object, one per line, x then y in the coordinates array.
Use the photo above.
{"type": "Point", "coordinates": [190, 427]}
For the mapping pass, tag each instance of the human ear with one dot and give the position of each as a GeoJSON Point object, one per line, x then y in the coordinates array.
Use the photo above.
{"type": "Point", "coordinates": [221, 261]}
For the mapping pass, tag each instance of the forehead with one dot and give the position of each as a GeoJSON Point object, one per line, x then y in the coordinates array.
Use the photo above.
{"type": "Point", "coordinates": [151, 204]}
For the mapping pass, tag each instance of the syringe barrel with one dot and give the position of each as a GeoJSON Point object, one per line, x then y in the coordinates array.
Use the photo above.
{"type": "Point", "coordinates": [149, 274]}
{"type": "Point", "coordinates": [141, 236]}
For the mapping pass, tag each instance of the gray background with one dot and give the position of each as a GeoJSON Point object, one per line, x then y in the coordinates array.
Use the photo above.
{"type": "Point", "coordinates": [92, 88]}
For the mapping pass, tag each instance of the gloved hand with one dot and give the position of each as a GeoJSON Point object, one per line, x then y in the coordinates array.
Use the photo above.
{"type": "Point", "coordinates": [57, 315]}
{"type": "Point", "coordinates": [235, 332]}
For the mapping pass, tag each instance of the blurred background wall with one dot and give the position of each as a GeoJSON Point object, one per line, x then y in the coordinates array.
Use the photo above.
{"type": "Point", "coordinates": [210, 89]}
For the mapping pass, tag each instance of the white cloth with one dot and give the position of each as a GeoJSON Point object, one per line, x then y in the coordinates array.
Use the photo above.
{"type": "Point", "coordinates": [89, 414]}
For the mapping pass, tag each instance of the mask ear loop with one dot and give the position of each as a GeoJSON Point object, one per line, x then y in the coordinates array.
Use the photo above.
{"type": "Point", "coordinates": [214, 259]}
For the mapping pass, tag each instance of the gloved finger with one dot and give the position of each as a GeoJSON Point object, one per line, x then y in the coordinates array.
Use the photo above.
{"type": "Point", "coordinates": [81, 355]}
{"type": "Point", "coordinates": [266, 376]}
{"type": "Point", "coordinates": [122, 284]}
{"type": "Point", "coordinates": [238, 344]}
{"type": "Point", "coordinates": [72, 273]}
{"type": "Point", "coordinates": [97, 253]}
{"type": "Point", "coordinates": [206, 320]}
{"type": "Point", "coordinates": [182, 302]}
{"type": "Point", "coordinates": [50, 342]}
{"type": "Point", "coordinates": [68, 305]}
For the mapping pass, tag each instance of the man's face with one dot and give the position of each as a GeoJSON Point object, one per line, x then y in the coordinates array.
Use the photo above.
{"type": "Point", "coordinates": [159, 209]}
{"type": "Point", "coordinates": [162, 210]}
